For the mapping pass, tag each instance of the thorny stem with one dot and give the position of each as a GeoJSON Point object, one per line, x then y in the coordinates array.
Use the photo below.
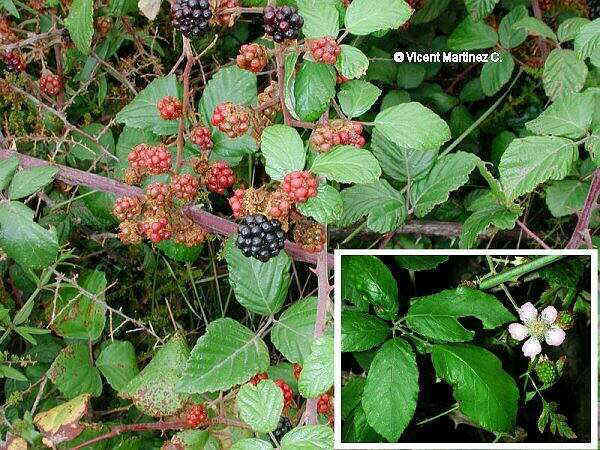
{"type": "Point", "coordinates": [212, 223]}
{"type": "Point", "coordinates": [517, 271]}
{"type": "Point", "coordinates": [590, 204]}
{"type": "Point", "coordinates": [532, 235]}
{"type": "Point", "coordinates": [431, 419]}
{"type": "Point", "coordinates": [186, 94]}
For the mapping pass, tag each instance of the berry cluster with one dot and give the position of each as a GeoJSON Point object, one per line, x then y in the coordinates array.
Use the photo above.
{"type": "Point", "coordinates": [268, 101]}
{"type": "Point", "coordinates": [233, 120]}
{"type": "Point", "coordinates": [191, 17]}
{"type": "Point", "coordinates": [286, 390]}
{"type": "Point", "coordinates": [283, 427]}
{"type": "Point", "coordinates": [282, 23]}
{"type": "Point", "coordinates": [169, 108]}
{"type": "Point", "coordinates": [310, 235]}
{"type": "Point", "coordinates": [325, 50]}
{"type": "Point", "coordinates": [279, 204]}
{"type": "Point", "coordinates": [337, 132]}
{"type": "Point", "coordinates": [148, 160]}
{"type": "Point", "coordinates": [50, 84]}
{"type": "Point", "coordinates": [545, 370]}
{"type": "Point", "coordinates": [275, 204]}
{"type": "Point", "coordinates": [297, 371]}
{"type": "Point", "coordinates": [14, 61]}
{"type": "Point", "coordinates": [300, 186]}
{"type": "Point", "coordinates": [219, 177]}
{"type": "Point", "coordinates": [237, 203]}
{"type": "Point", "coordinates": [202, 137]}
{"type": "Point", "coordinates": [185, 186]}
{"type": "Point", "coordinates": [226, 19]}
{"type": "Point", "coordinates": [324, 405]}
{"type": "Point", "coordinates": [128, 208]}
{"type": "Point", "coordinates": [260, 238]}
{"type": "Point", "coordinates": [252, 57]}
{"type": "Point", "coordinates": [259, 377]}
{"type": "Point", "coordinates": [156, 229]}
{"type": "Point", "coordinates": [195, 416]}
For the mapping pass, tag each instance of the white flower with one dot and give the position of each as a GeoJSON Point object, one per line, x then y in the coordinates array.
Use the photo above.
{"type": "Point", "coordinates": [536, 328]}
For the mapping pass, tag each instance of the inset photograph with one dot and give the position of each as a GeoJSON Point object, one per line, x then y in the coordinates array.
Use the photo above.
{"type": "Point", "coordinates": [484, 349]}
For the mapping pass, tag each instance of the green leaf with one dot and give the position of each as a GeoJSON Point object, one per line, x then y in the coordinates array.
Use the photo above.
{"type": "Point", "coordinates": [564, 73]}
{"type": "Point", "coordinates": [401, 163]}
{"type": "Point", "coordinates": [347, 164]}
{"type": "Point", "coordinates": [450, 172]}
{"type": "Point", "coordinates": [325, 208]}
{"type": "Point", "coordinates": [283, 150]}
{"type": "Point", "coordinates": [366, 279]}
{"type": "Point", "coordinates": [352, 392]}
{"type": "Point", "coordinates": [316, 377]}
{"type": "Point", "coordinates": [494, 75]}
{"type": "Point", "coordinates": [568, 116]}
{"type": "Point", "coordinates": [227, 354]}
{"type": "Point", "coordinates": [486, 211]}
{"type": "Point", "coordinates": [293, 332]}
{"type": "Point", "coordinates": [365, 16]}
{"type": "Point", "coordinates": [73, 373]}
{"type": "Point", "coordinates": [29, 181]}
{"type": "Point", "coordinates": [260, 406]}
{"type": "Point", "coordinates": [230, 84]}
{"type": "Point", "coordinates": [390, 394]}
{"type": "Point", "coordinates": [487, 395]}
{"type": "Point", "coordinates": [361, 331]}
{"type": "Point", "coordinates": [313, 90]}
{"type": "Point", "coordinates": [77, 315]}
{"type": "Point", "coordinates": [382, 67]}
{"type": "Point", "coordinates": [566, 197]}
{"type": "Point", "coordinates": [290, 60]}
{"type": "Point", "coordinates": [587, 42]}
{"type": "Point", "coordinates": [530, 161]}
{"type": "Point", "coordinates": [509, 36]}
{"type": "Point", "coordinates": [88, 150]}
{"type": "Point", "coordinates": [152, 391]}
{"type": "Point", "coordinates": [12, 373]}
{"type": "Point", "coordinates": [308, 437]}
{"type": "Point", "coordinates": [429, 11]}
{"type": "Point", "coordinates": [570, 28]}
{"type": "Point", "coordinates": [251, 444]}
{"type": "Point", "coordinates": [357, 97]}
{"type": "Point", "coordinates": [259, 287]}
{"type": "Point", "coordinates": [29, 244]}
{"type": "Point", "coordinates": [320, 18]}
{"type": "Point", "coordinates": [393, 98]}
{"type": "Point", "coordinates": [9, 6]}
{"type": "Point", "coordinates": [480, 9]}
{"type": "Point", "coordinates": [189, 439]}
{"type": "Point", "coordinates": [472, 35]}
{"type": "Point", "coordinates": [80, 23]}
{"type": "Point", "coordinates": [180, 252]}
{"type": "Point", "coordinates": [7, 170]}
{"type": "Point", "coordinates": [351, 62]}
{"type": "Point", "coordinates": [142, 112]}
{"type": "Point", "coordinates": [420, 262]}
{"type": "Point", "coordinates": [436, 316]}
{"type": "Point", "coordinates": [367, 199]}
{"type": "Point", "coordinates": [118, 364]}
{"type": "Point", "coordinates": [410, 75]}
{"type": "Point", "coordinates": [231, 150]}
{"type": "Point", "coordinates": [535, 27]}
{"type": "Point", "coordinates": [412, 125]}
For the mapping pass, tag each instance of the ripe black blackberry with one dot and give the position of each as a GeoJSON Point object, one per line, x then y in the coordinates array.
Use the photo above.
{"type": "Point", "coordinates": [282, 23]}
{"type": "Point", "coordinates": [260, 238]}
{"type": "Point", "coordinates": [283, 427]}
{"type": "Point", "coordinates": [191, 17]}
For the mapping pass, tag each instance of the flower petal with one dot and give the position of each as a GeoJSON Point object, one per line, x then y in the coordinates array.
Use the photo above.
{"type": "Point", "coordinates": [518, 331]}
{"type": "Point", "coordinates": [532, 347]}
{"type": "Point", "coordinates": [555, 336]}
{"type": "Point", "coordinates": [549, 314]}
{"type": "Point", "coordinates": [528, 312]}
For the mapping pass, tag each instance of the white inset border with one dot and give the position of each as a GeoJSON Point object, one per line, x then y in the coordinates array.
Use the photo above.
{"type": "Point", "coordinates": [338, 444]}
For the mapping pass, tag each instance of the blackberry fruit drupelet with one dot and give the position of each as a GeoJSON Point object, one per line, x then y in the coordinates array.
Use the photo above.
{"type": "Point", "coordinates": [282, 429]}
{"type": "Point", "coordinates": [260, 238]}
{"type": "Point", "coordinates": [282, 23]}
{"type": "Point", "coordinates": [191, 17]}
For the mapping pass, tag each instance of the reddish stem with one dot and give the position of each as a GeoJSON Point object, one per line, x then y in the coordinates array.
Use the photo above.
{"type": "Point", "coordinates": [590, 204]}
{"type": "Point", "coordinates": [532, 235]}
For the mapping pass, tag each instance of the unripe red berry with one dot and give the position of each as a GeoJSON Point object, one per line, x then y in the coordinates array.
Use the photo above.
{"type": "Point", "coordinates": [220, 177]}
{"type": "Point", "coordinates": [127, 208]}
{"type": "Point", "coordinates": [337, 132]}
{"type": "Point", "coordinates": [252, 57]}
{"type": "Point", "coordinates": [129, 232]}
{"type": "Point", "coordinates": [286, 391]}
{"type": "Point", "coordinates": [157, 229]}
{"type": "Point", "coordinates": [195, 416]}
{"type": "Point", "coordinates": [297, 371]}
{"type": "Point", "coordinates": [184, 186]}
{"type": "Point", "coordinates": [279, 204]}
{"type": "Point", "coordinates": [159, 194]}
{"type": "Point", "coordinates": [202, 137]}
{"type": "Point", "coordinates": [233, 120]}
{"type": "Point", "coordinates": [50, 84]}
{"type": "Point", "coordinates": [226, 19]}
{"type": "Point", "coordinates": [14, 61]}
{"type": "Point", "coordinates": [325, 50]}
{"type": "Point", "coordinates": [157, 160]}
{"type": "Point", "coordinates": [169, 108]}
{"type": "Point", "coordinates": [258, 378]}
{"type": "Point", "coordinates": [300, 186]}
{"type": "Point", "coordinates": [324, 404]}
{"type": "Point", "coordinates": [237, 203]}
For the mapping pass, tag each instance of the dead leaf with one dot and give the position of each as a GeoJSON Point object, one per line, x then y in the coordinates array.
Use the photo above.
{"type": "Point", "coordinates": [61, 423]}
{"type": "Point", "coordinates": [149, 8]}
